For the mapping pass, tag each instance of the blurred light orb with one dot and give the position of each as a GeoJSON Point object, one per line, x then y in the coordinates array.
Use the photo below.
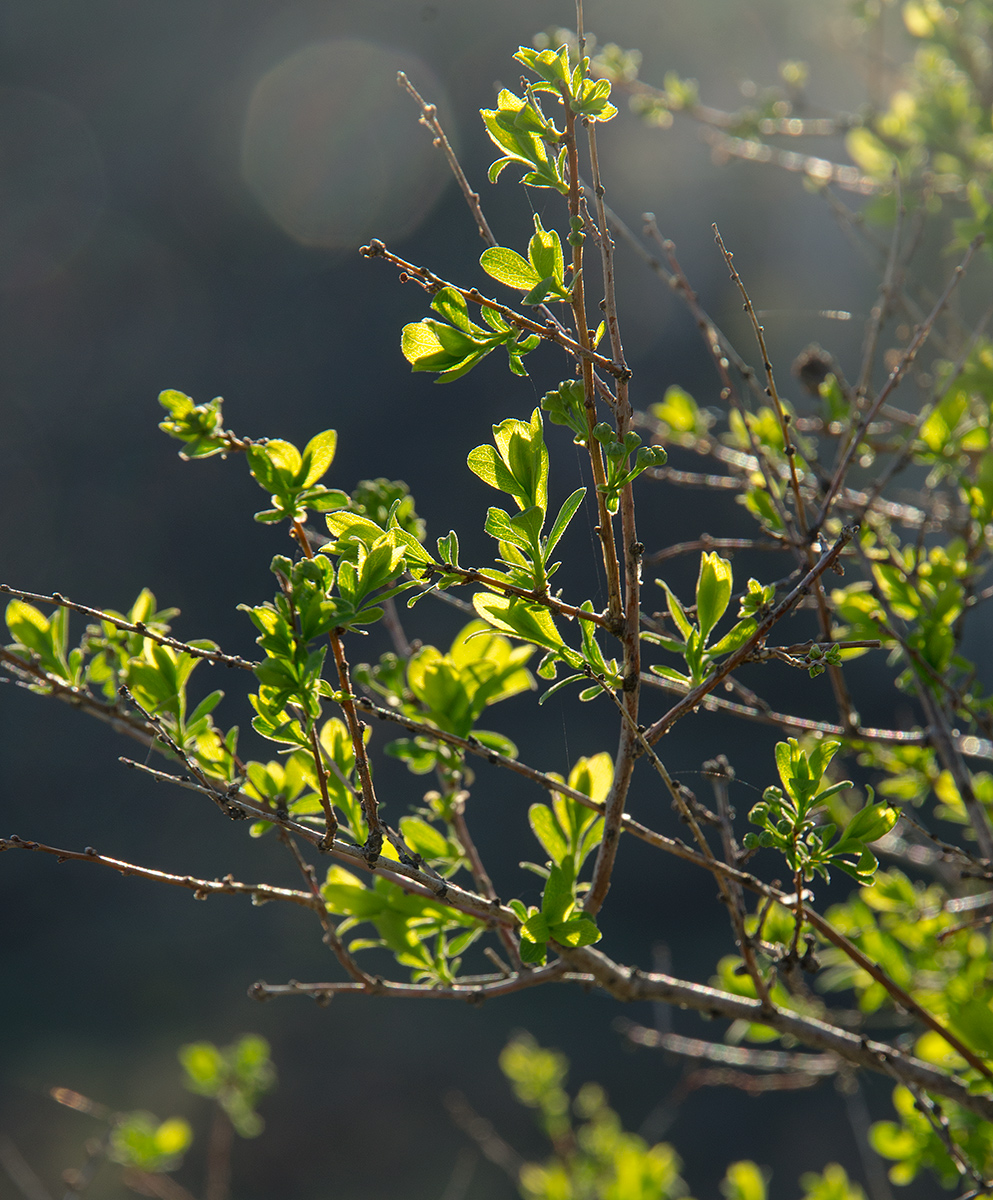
{"type": "Point", "coordinates": [52, 187]}
{"type": "Point", "coordinates": [331, 147]}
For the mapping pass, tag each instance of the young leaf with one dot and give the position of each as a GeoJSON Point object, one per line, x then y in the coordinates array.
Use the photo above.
{"type": "Point", "coordinates": [713, 591]}
{"type": "Point", "coordinates": [506, 266]}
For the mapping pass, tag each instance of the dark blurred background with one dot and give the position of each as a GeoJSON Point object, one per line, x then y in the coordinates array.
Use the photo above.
{"type": "Point", "coordinates": [183, 188]}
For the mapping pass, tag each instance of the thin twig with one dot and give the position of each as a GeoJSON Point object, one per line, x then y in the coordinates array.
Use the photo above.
{"type": "Point", "coordinates": [626, 984]}
{"type": "Point", "coordinates": [20, 1172]}
{"type": "Point", "coordinates": [429, 119]}
{"type": "Point", "coordinates": [370, 805]}
{"type": "Point", "coordinates": [896, 376]}
{"type": "Point", "coordinates": [258, 893]}
{"type": "Point", "coordinates": [59, 601]}
{"type": "Point", "coordinates": [471, 989]}
{"type": "Point", "coordinates": [331, 938]}
{"type": "Point", "coordinates": [782, 417]}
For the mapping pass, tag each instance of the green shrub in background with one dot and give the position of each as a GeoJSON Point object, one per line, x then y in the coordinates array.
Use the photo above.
{"type": "Point", "coordinates": [898, 980]}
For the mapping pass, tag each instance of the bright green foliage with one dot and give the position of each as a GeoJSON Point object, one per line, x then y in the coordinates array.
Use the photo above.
{"type": "Point", "coordinates": [680, 416]}
{"type": "Point", "coordinates": [939, 122]}
{"type": "Point", "coordinates": [291, 477]}
{"type": "Point", "coordinates": [199, 426]}
{"type": "Point", "coordinates": [109, 658]}
{"type": "Point", "coordinates": [452, 690]}
{"type": "Point", "coordinates": [830, 1184]}
{"type": "Point", "coordinates": [761, 433]}
{"type": "Point", "coordinates": [236, 1076]}
{"type": "Point", "coordinates": [375, 498]}
{"type": "Point", "coordinates": [587, 97]}
{"type": "Point", "coordinates": [44, 640]}
{"type": "Point", "coordinates": [915, 775]}
{"type": "Point", "coordinates": [913, 1144]}
{"type": "Point", "coordinates": [569, 833]}
{"type": "Point", "coordinates": [713, 595]}
{"type": "Point", "coordinates": [288, 701]}
{"type": "Point", "coordinates": [932, 946]}
{"type": "Point", "coordinates": [757, 600]}
{"type": "Point", "coordinates": [923, 587]}
{"type": "Point", "coordinates": [743, 1181]}
{"type": "Point", "coordinates": [140, 1140]}
{"type": "Point", "coordinates": [454, 346]}
{"type": "Point", "coordinates": [541, 275]}
{"type": "Point", "coordinates": [112, 649]}
{"type": "Point", "coordinates": [425, 935]}
{"type": "Point", "coordinates": [787, 817]}
{"type": "Point", "coordinates": [524, 135]}
{"type": "Point", "coordinates": [518, 465]}
{"type": "Point", "coordinates": [915, 594]}
{"type": "Point", "coordinates": [594, 1160]}
{"type": "Point", "coordinates": [292, 789]}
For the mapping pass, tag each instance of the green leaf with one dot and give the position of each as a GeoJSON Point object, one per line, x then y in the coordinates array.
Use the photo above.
{"type": "Point", "coordinates": [319, 452]}
{"type": "Point", "coordinates": [531, 622]}
{"type": "Point", "coordinates": [579, 931]}
{"type": "Point", "coordinates": [284, 456]}
{"type": "Point", "coordinates": [508, 267]}
{"type": "Point", "coordinates": [423, 838]}
{"type": "Point", "coordinates": [677, 612]}
{"type": "Point", "coordinates": [734, 639]}
{"type": "Point", "coordinates": [713, 591]}
{"type": "Point", "coordinates": [545, 253]}
{"type": "Point", "coordinates": [566, 513]}
{"type": "Point", "coordinates": [870, 824]}
{"type": "Point", "coordinates": [546, 830]}
{"type": "Point", "coordinates": [490, 467]}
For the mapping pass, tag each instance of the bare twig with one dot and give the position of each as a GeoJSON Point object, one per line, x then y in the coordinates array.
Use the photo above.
{"type": "Point", "coordinates": [429, 119]}
{"type": "Point", "coordinates": [630, 985]}
{"type": "Point", "coordinates": [59, 601]}
{"type": "Point", "coordinates": [896, 376]}
{"type": "Point", "coordinates": [19, 1171]}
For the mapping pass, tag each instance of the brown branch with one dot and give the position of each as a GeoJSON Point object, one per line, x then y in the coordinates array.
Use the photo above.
{"type": "Point", "coordinates": [604, 528]}
{"type": "Point", "coordinates": [484, 884]}
{"type": "Point", "coordinates": [569, 611]}
{"type": "Point", "coordinates": [632, 554]}
{"type": "Point", "coordinates": [481, 1131]}
{"type": "Point", "coordinates": [729, 1056]}
{"type": "Point", "coordinates": [706, 542]}
{"type": "Point", "coordinates": [429, 119]}
{"type": "Point", "coordinates": [472, 989]}
{"type": "Point", "coordinates": [370, 805]}
{"type": "Point", "coordinates": [820, 170]}
{"type": "Point", "coordinates": [112, 713]}
{"type": "Point", "coordinates": [770, 390]}
{"type": "Point", "coordinates": [626, 984]}
{"type": "Point", "coordinates": [220, 795]}
{"type": "Point", "coordinates": [331, 938]}
{"type": "Point", "coordinates": [59, 601]}
{"type": "Point", "coordinates": [259, 893]}
{"type": "Point", "coordinates": [20, 1172]}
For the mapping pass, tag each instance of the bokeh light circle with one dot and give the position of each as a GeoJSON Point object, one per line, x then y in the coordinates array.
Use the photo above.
{"type": "Point", "coordinates": [331, 148]}
{"type": "Point", "coordinates": [52, 188]}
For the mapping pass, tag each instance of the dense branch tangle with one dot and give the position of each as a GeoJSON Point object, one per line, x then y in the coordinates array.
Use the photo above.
{"type": "Point", "coordinates": [424, 884]}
